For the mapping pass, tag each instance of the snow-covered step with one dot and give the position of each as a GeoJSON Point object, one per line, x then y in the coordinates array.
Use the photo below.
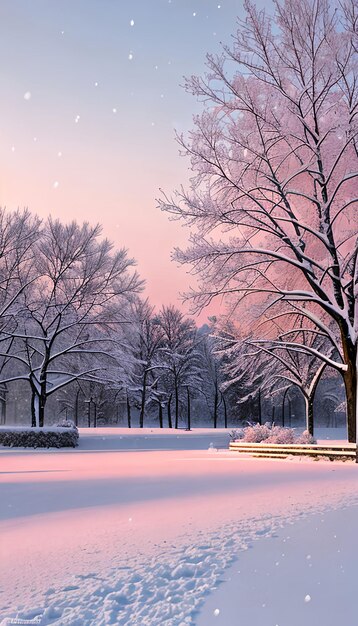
{"type": "Point", "coordinates": [283, 450]}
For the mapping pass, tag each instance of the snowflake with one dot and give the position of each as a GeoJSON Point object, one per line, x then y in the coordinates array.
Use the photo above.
{"type": "Point", "coordinates": [307, 598]}
{"type": "Point", "coordinates": [132, 22]}
{"type": "Point", "coordinates": [59, 154]}
{"type": "Point", "coordinates": [130, 56]}
{"type": "Point", "coordinates": [114, 110]}
{"type": "Point", "coordinates": [56, 184]}
{"type": "Point", "coordinates": [27, 95]}
{"type": "Point", "coordinates": [77, 119]}
{"type": "Point", "coordinates": [216, 612]}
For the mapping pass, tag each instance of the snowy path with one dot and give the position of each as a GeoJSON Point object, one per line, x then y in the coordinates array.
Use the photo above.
{"type": "Point", "coordinates": [117, 533]}
{"type": "Point", "coordinates": [305, 574]}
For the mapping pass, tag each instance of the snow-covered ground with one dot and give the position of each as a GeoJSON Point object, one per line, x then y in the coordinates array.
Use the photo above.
{"type": "Point", "coordinates": [138, 528]}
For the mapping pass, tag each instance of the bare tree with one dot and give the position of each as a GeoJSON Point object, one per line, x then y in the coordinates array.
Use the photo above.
{"type": "Point", "coordinates": [275, 161]}
{"type": "Point", "coordinates": [67, 312]}
{"type": "Point", "coordinates": [18, 232]}
{"type": "Point", "coordinates": [180, 359]}
{"type": "Point", "coordinates": [145, 340]}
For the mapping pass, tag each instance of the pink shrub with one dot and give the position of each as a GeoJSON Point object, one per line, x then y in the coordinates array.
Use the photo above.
{"type": "Point", "coordinates": [306, 438]}
{"type": "Point", "coordinates": [269, 433]}
{"type": "Point", "coordinates": [281, 435]}
{"type": "Point", "coordinates": [256, 433]}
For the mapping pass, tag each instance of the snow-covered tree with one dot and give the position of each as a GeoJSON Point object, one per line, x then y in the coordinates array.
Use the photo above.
{"type": "Point", "coordinates": [18, 232]}
{"type": "Point", "coordinates": [180, 358]}
{"type": "Point", "coordinates": [213, 377]}
{"type": "Point", "coordinates": [274, 156]}
{"type": "Point", "coordinates": [145, 339]}
{"type": "Point", "coordinates": [63, 328]}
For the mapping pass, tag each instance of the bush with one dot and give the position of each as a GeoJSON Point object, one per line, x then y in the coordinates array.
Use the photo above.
{"type": "Point", "coordinates": [256, 433]}
{"type": "Point", "coordinates": [236, 434]}
{"type": "Point", "coordinates": [269, 433]}
{"type": "Point", "coordinates": [306, 438]}
{"type": "Point", "coordinates": [66, 437]}
{"type": "Point", "coordinates": [66, 423]}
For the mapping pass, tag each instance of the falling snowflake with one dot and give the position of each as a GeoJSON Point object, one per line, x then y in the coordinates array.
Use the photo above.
{"type": "Point", "coordinates": [27, 95]}
{"type": "Point", "coordinates": [216, 612]}
{"type": "Point", "coordinates": [114, 110]}
{"type": "Point", "coordinates": [77, 119]}
{"type": "Point", "coordinates": [12, 148]}
{"type": "Point", "coordinates": [56, 184]}
{"type": "Point", "coordinates": [59, 154]}
{"type": "Point", "coordinates": [130, 56]}
{"type": "Point", "coordinates": [96, 84]}
{"type": "Point", "coordinates": [308, 598]}
{"type": "Point", "coordinates": [132, 22]}
{"type": "Point", "coordinates": [194, 14]}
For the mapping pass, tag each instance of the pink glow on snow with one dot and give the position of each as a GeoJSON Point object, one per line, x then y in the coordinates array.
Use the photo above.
{"type": "Point", "coordinates": [80, 511]}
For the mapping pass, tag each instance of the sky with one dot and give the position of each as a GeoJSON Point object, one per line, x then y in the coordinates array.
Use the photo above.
{"type": "Point", "coordinates": [90, 96]}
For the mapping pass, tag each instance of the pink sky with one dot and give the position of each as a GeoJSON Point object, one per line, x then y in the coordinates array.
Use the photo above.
{"type": "Point", "coordinates": [89, 99]}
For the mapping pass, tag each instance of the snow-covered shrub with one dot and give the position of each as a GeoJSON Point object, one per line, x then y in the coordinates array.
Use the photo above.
{"type": "Point", "coordinates": [282, 435]}
{"type": "Point", "coordinates": [66, 423]}
{"type": "Point", "coordinates": [305, 438]}
{"type": "Point", "coordinates": [269, 433]}
{"type": "Point", "coordinates": [236, 434]}
{"type": "Point", "coordinates": [256, 433]}
{"type": "Point", "coordinates": [39, 437]}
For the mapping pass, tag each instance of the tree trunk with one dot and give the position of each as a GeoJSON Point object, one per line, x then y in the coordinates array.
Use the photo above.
{"type": "Point", "coordinates": [176, 407]}
{"type": "Point", "coordinates": [225, 411]}
{"type": "Point", "coordinates": [129, 418]}
{"type": "Point", "coordinates": [142, 408]}
{"type": "Point", "coordinates": [41, 413]}
{"type": "Point", "coordinates": [189, 408]}
{"type": "Point", "coordinates": [170, 424]}
{"type": "Point", "coordinates": [76, 407]}
{"type": "Point", "coordinates": [216, 408]}
{"type": "Point", "coordinates": [309, 414]}
{"type": "Point", "coordinates": [33, 409]}
{"type": "Point", "coordinates": [273, 415]}
{"type": "Point", "coordinates": [260, 411]}
{"type": "Point", "coordinates": [350, 384]}
{"type": "Point", "coordinates": [160, 416]}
